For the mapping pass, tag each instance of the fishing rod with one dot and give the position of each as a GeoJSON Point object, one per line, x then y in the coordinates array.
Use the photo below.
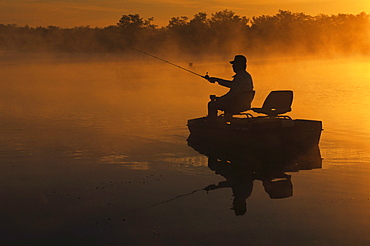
{"type": "Point", "coordinates": [204, 77]}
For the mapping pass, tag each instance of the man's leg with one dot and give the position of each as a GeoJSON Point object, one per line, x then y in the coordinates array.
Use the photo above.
{"type": "Point", "coordinates": [212, 109]}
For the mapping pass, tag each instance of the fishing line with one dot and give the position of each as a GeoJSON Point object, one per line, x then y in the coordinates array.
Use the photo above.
{"type": "Point", "coordinates": [167, 201]}
{"type": "Point", "coordinates": [204, 77]}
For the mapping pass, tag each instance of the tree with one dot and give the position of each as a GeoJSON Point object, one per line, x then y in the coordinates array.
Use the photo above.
{"type": "Point", "coordinates": [199, 21]}
{"type": "Point", "coordinates": [229, 31]}
{"type": "Point", "coordinates": [134, 22]}
{"type": "Point", "coordinates": [177, 22]}
{"type": "Point", "coordinates": [135, 30]}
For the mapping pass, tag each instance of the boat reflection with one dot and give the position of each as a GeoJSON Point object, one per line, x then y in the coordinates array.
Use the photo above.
{"type": "Point", "coordinates": [241, 166]}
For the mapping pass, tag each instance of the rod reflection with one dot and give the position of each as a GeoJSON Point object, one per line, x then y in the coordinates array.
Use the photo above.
{"type": "Point", "coordinates": [242, 165]}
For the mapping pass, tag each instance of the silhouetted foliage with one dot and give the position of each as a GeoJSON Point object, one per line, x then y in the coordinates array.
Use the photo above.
{"type": "Point", "coordinates": [221, 32]}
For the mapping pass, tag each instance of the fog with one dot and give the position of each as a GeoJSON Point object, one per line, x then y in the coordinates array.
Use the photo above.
{"type": "Point", "coordinates": [135, 83]}
{"type": "Point", "coordinates": [221, 34]}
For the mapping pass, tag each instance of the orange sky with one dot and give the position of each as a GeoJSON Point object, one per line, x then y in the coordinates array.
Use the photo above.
{"type": "Point", "coordinates": [70, 13]}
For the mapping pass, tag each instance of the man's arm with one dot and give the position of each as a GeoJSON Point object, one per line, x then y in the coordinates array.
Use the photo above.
{"type": "Point", "coordinates": [223, 82]}
{"type": "Point", "coordinates": [238, 85]}
{"type": "Point", "coordinates": [222, 184]}
{"type": "Point", "coordinates": [226, 83]}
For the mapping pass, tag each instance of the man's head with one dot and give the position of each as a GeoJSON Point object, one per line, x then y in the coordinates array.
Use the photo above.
{"type": "Point", "coordinates": [239, 63]}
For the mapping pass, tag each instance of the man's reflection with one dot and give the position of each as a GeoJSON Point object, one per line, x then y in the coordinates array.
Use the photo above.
{"type": "Point", "coordinates": [241, 168]}
{"type": "Point", "coordinates": [240, 180]}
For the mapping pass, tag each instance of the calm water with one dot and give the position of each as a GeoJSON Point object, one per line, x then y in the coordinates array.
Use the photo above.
{"type": "Point", "coordinates": [94, 152]}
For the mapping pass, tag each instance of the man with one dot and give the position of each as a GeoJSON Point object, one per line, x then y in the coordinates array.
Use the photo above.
{"type": "Point", "coordinates": [240, 95]}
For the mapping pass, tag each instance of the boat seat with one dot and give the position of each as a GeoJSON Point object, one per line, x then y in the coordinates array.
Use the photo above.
{"type": "Point", "coordinates": [277, 102]}
{"type": "Point", "coordinates": [240, 105]}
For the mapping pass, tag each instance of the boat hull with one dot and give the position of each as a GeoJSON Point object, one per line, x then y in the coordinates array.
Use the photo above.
{"type": "Point", "coordinates": [258, 131]}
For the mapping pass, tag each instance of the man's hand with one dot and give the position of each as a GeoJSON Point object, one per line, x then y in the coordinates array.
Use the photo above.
{"type": "Point", "coordinates": [213, 97]}
{"type": "Point", "coordinates": [210, 187]}
{"type": "Point", "coordinates": [212, 79]}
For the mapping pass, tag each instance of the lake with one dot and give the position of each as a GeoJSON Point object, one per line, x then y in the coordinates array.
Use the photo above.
{"type": "Point", "coordinates": [94, 151]}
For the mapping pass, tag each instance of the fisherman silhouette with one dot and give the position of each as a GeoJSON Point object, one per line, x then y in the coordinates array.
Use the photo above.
{"type": "Point", "coordinates": [240, 95]}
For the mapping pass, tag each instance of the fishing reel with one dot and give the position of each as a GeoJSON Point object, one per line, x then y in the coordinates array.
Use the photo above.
{"type": "Point", "coordinates": [206, 76]}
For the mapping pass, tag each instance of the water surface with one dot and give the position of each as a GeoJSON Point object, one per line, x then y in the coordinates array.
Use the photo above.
{"type": "Point", "coordinates": [94, 151]}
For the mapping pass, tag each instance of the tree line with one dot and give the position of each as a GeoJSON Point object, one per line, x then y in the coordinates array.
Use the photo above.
{"type": "Point", "coordinates": [221, 32]}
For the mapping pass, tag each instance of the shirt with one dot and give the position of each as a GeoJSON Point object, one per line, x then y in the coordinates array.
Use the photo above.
{"type": "Point", "coordinates": [242, 82]}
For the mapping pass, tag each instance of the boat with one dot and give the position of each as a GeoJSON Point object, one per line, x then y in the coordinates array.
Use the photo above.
{"type": "Point", "coordinates": [271, 130]}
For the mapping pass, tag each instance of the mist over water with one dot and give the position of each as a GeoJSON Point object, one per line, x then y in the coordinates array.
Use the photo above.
{"type": "Point", "coordinates": [90, 143]}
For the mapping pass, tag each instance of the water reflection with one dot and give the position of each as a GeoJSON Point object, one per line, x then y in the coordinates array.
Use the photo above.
{"type": "Point", "coordinates": [241, 166]}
